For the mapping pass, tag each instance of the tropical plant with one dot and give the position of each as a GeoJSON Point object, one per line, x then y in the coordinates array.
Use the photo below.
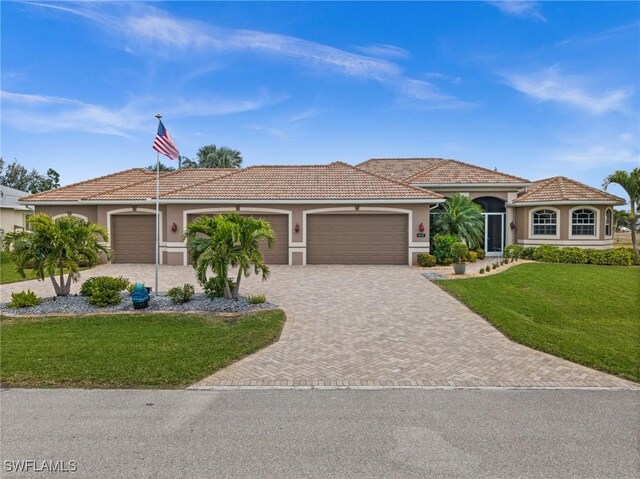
{"type": "Point", "coordinates": [630, 183]}
{"type": "Point", "coordinates": [442, 248]}
{"type": "Point", "coordinates": [163, 167]}
{"type": "Point", "coordinates": [55, 247]}
{"type": "Point", "coordinates": [459, 252]}
{"type": "Point", "coordinates": [461, 217]}
{"type": "Point", "coordinates": [228, 240]}
{"type": "Point", "coordinates": [181, 294]}
{"type": "Point", "coordinates": [23, 299]}
{"type": "Point", "coordinates": [212, 156]}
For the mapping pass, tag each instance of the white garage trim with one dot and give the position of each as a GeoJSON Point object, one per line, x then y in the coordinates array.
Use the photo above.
{"type": "Point", "coordinates": [75, 215]}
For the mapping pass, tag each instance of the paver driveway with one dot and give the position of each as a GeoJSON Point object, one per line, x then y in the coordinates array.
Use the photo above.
{"type": "Point", "coordinates": [373, 325]}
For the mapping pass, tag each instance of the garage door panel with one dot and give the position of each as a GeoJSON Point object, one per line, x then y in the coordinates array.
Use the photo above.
{"type": "Point", "coordinates": [279, 253]}
{"type": "Point", "coordinates": [133, 238]}
{"type": "Point", "coordinates": [357, 239]}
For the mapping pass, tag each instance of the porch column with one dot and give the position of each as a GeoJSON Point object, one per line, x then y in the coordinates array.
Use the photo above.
{"type": "Point", "coordinates": [510, 216]}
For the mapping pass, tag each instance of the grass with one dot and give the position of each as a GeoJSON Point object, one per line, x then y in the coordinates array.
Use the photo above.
{"type": "Point", "coordinates": [584, 313]}
{"type": "Point", "coordinates": [8, 273]}
{"type": "Point", "coordinates": [129, 350]}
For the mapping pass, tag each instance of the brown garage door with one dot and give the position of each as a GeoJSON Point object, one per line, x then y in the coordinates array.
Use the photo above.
{"type": "Point", "coordinates": [133, 238]}
{"type": "Point", "coordinates": [279, 253]}
{"type": "Point", "coordinates": [357, 239]}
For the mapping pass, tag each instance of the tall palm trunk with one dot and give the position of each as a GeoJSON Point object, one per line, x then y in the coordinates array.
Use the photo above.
{"type": "Point", "coordinates": [236, 290]}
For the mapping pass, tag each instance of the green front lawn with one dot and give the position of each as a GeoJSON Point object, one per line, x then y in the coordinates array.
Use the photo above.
{"type": "Point", "coordinates": [8, 273]}
{"type": "Point", "coordinates": [129, 350]}
{"type": "Point", "coordinates": [587, 314]}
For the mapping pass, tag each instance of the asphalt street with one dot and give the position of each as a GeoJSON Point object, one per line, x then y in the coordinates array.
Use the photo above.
{"type": "Point", "coordinates": [322, 433]}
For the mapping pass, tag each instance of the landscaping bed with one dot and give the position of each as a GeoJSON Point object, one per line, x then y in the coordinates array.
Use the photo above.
{"type": "Point", "coordinates": [129, 350]}
{"type": "Point", "coordinates": [74, 304]}
{"type": "Point", "coordinates": [584, 313]}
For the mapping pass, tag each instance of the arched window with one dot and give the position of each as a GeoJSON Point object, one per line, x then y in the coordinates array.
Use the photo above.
{"type": "Point", "coordinates": [583, 222]}
{"type": "Point", "coordinates": [545, 222]}
{"type": "Point", "coordinates": [608, 222]}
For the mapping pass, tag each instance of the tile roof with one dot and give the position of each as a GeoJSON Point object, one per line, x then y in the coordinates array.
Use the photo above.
{"type": "Point", "coordinates": [437, 171]}
{"type": "Point", "coordinates": [338, 181]}
{"type": "Point", "coordinates": [175, 180]}
{"type": "Point", "coordinates": [561, 188]}
{"type": "Point", "coordinates": [89, 188]}
{"type": "Point", "coordinates": [335, 181]}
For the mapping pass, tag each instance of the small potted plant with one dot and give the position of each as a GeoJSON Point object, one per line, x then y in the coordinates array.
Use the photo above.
{"type": "Point", "coordinates": [459, 251]}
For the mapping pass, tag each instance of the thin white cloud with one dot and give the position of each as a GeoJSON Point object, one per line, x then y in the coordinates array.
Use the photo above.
{"type": "Point", "coordinates": [553, 86]}
{"type": "Point", "coordinates": [595, 156]}
{"type": "Point", "coordinates": [519, 8]}
{"type": "Point", "coordinates": [41, 113]}
{"type": "Point", "coordinates": [149, 30]}
{"type": "Point", "coordinates": [383, 50]}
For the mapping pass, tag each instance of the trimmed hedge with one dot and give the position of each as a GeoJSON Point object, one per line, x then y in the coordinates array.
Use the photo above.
{"type": "Point", "coordinates": [426, 260]}
{"type": "Point", "coordinates": [554, 254]}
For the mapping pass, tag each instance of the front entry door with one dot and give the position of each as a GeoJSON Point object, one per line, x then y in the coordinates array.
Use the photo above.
{"type": "Point", "coordinates": [493, 233]}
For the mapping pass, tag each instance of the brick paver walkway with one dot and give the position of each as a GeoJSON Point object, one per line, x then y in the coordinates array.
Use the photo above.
{"type": "Point", "coordinates": [372, 326]}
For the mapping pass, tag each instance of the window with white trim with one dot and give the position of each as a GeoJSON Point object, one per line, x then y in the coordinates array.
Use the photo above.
{"type": "Point", "coordinates": [545, 222]}
{"type": "Point", "coordinates": [583, 222]}
{"type": "Point", "coordinates": [608, 221]}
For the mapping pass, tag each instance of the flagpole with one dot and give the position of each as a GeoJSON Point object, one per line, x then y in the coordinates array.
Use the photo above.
{"type": "Point", "coordinates": [158, 116]}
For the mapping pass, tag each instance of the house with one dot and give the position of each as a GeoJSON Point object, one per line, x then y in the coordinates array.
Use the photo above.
{"type": "Point", "coordinates": [377, 212]}
{"type": "Point", "coordinates": [13, 215]}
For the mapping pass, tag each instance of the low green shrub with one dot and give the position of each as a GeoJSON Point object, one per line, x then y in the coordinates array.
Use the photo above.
{"type": "Point", "coordinates": [481, 270]}
{"type": "Point", "coordinates": [104, 290]}
{"type": "Point", "coordinates": [446, 262]}
{"type": "Point", "coordinates": [257, 299]}
{"type": "Point", "coordinates": [573, 255]}
{"type": "Point", "coordinates": [214, 287]}
{"type": "Point", "coordinates": [109, 282]}
{"type": "Point", "coordinates": [527, 253]}
{"type": "Point", "coordinates": [459, 251]}
{"type": "Point", "coordinates": [426, 260]}
{"type": "Point", "coordinates": [23, 299]}
{"type": "Point", "coordinates": [513, 251]}
{"type": "Point", "coordinates": [481, 253]}
{"type": "Point", "coordinates": [547, 254]}
{"type": "Point", "coordinates": [181, 294]}
{"type": "Point", "coordinates": [472, 256]}
{"type": "Point", "coordinates": [620, 257]}
{"type": "Point", "coordinates": [442, 248]}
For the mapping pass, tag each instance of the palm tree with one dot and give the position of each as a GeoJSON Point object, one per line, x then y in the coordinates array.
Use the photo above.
{"type": "Point", "coordinates": [53, 247]}
{"type": "Point", "coordinates": [630, 183]}
{"type": "Point", "coordinates": [211, 156]}
{"type": "Point", "coordinates": [461, 217]}
{"type": "Point", "coordinates": [228, 240]}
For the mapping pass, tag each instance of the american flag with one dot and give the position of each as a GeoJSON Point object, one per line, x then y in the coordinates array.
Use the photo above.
{"type": "Point", "coordinates": [164, 143]}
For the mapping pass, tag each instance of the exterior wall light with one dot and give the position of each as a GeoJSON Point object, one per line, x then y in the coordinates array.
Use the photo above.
{"type": "Point", "coordinates": [421, 228]}
{"type": "Point", "coordinates": [297, 228]}
{"type": "Point", "coordinates": [174, 227]}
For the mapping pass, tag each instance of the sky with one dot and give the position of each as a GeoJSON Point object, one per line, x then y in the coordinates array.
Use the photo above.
{"type": "Point", "coordinates": [536, 89]}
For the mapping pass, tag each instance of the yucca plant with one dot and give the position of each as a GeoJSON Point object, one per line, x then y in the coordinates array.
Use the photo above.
{"type": "Point", "coordinates": [57, 247]}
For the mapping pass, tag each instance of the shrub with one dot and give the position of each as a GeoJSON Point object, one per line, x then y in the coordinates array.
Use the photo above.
{"type": "Point", "coordinates": [620, 257]}
{"type": "Point", "coordinates": [181, 294]}
{"type": "Point", "coordinates": [104, 297]}
{"type": "Point", "coordinates": [459, 251]}
{"type": "Point", "coordinates": [527, 253]}
{"type": "Point", "coordinates": [573, 255]}
{"type": "Point", "coordinates": [214, 287]}
{"type": "Point", "coordinates": [442, 248]}
{"type": "Point", "coordinates": [513, 251]}
{"type": "Point", "coordinates": [481, 253]}
{"type": "Point", "coordinates": [446, 262]}
{"type": "Point", "coordinates": [23, 299]}
{"type": "Point", "coordinates": [109, 282]}
{"type": "Point", "coordinates": [104, 290]}
{"type": "Point", "coordinates": [481, 270]}
{"type": "Point", "coordinates": [257, 299]}
{"type": "Point", "coordinates": [472, 256]}
{"type": "Point", "coordinates": [547, 254]}
{"type": "Point", "coordinates": [426, 260]}
{"type": "Point", "coordinates": [494, 266]}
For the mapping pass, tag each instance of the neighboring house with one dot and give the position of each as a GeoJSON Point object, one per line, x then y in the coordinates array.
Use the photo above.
{"type": "Point", "coordinates": [375, 213]}
{"type": "Point", "coordinates": [13, 215]}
